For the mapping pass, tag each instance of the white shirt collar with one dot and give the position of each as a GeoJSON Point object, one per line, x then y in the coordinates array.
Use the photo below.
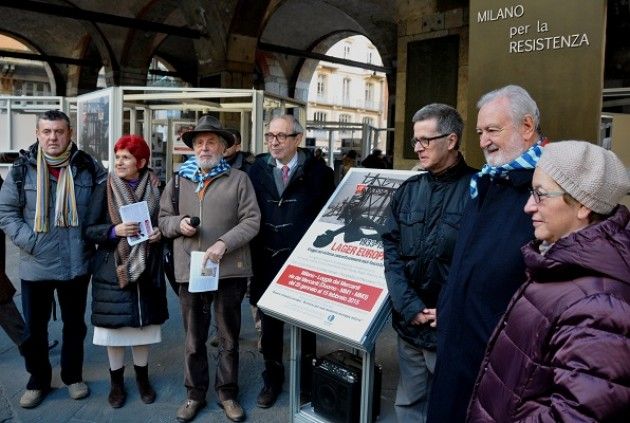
{"type": "Point", "coordinates": [292, 163]}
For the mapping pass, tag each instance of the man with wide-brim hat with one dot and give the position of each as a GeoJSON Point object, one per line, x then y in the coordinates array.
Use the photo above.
{"type": "Point", "coordinates": [218, 195]}
{"type": "Point", "coordinates": [208, 123]}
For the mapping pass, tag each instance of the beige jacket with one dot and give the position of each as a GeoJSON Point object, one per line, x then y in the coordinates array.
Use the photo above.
{"type": "Point", "coordinates": [228, 212]}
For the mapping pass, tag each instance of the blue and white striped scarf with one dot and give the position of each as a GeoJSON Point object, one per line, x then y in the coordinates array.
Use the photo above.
{"type": "Point", "coordinates": [191, 171]}
{"type": "Point", "coordinates": [527, 160]}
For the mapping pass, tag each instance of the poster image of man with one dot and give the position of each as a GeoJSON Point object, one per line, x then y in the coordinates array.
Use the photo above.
{"type": "Point", "coordinates": [362, 209]}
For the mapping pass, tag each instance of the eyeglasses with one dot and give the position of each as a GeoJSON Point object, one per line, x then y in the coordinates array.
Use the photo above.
{"type": "Point", "coordinates": [492, 131]}
{"type": "Point", "coordinates": [280, 136]}
{"type": "Point", "coordinates": [424, 141]}
{"type": "Point", "coordinates": [539, 196]}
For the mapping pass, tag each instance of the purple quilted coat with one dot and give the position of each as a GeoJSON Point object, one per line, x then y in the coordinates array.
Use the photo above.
{"type": "Point", "coordinates": [561, 352]}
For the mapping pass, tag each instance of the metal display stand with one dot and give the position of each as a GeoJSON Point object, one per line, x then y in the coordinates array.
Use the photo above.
{"type": "Point", "coordinates": [333, 285]}
{"type": "Point", "coordinates": [305, 413]}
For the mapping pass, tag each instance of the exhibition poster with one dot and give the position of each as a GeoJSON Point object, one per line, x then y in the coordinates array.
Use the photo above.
{"type": "Point", "coordinates": [333, 282]}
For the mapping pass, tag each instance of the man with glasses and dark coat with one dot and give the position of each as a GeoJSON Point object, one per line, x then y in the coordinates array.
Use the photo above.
{"type": "Point", "coordinates": [487, 266]}
{"type": "Point", "coordinates": [291, 187]}
{"type": "Point", "coordinates": [418, 241]}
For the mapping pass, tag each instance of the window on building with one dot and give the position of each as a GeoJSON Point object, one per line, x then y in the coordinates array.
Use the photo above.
{"type": "Point", "coordinates": [319, 116]}
{"type": "Point", "coordinates": [370, 55]}
{"type": "Point", "coordinates": [369, 94]}
{"type": "Point", "coordinates": [345, 118]}
{"type": "Point", "coordinates": [345, 90]}
{"type": "Point", "coordinates": [368, 121]}
{"type": "Point", "coordinates": [346, 51]}
{"type": "Point", "coordinates": [321, 85]}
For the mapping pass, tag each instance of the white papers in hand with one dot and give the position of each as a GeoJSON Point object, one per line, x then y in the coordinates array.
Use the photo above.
{"type": "Point", "coordinates": [137, 213]}
{"type": "Point", "coordinates": [202, 279]}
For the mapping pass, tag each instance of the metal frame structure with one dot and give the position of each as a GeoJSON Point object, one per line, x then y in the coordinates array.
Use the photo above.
{"type": "Point", "coordinates": [133, 110]}
{"type": "Point", "coordinates": [368, 134]}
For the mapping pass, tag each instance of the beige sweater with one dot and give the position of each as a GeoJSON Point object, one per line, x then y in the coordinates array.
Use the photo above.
{"type": "Point", "coordinates": [228, 212]}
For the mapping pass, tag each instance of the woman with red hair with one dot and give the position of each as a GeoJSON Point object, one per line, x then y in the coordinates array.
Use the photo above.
{"type": "Point", "coordinates": [128, 290]}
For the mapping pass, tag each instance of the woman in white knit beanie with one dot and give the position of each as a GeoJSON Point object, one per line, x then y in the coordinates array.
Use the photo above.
{"type": "Point", "coordinates": [562, 350]}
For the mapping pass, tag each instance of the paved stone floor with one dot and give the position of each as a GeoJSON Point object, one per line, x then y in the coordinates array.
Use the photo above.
{"type": "Point", "coordinates": [165, 369]}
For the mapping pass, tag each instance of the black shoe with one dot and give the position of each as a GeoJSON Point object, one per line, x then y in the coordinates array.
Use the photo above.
{"type": "Point", "coordinates": [267, 396]}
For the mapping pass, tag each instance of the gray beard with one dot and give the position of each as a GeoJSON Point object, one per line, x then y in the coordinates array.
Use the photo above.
{"type": "Point", "coordinates": [208, 164]}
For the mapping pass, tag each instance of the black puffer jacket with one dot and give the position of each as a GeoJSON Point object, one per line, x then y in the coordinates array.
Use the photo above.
{"type": "Point", "coordinates": [419, 240]}
{"type": "Point", "coordinates": [140, 303]}
{"type": "Point", "coordinates": [284, 218]}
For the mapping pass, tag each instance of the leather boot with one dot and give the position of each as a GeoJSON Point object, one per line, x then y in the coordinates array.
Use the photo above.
{"type": "Point", "coordinates": [117, 394]}
{"type": "Point", "coordinates": [147, 394]}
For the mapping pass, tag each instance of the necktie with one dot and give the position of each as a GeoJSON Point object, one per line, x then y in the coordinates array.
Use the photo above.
{"type": "Point", "coordinates": [285, 175]}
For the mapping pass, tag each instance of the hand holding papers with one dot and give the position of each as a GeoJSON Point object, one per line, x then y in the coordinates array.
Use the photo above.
{"type": "Point", "coordinates": [202, 278]}
{"type": "Point", "coordinates": [137, 213]}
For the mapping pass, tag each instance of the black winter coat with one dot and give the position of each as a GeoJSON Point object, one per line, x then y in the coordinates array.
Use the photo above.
{"type": "Point", "coordinates": [140, 303]}
{"type": "Point", "coordinates": [419, 239]}
{"type": "Point", "coordinates": [284, 218]}
{"type": "Point", "coordinates": [486, 270]}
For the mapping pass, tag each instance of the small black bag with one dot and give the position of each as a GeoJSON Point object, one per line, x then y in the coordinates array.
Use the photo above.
{"type": "Point", "coordinates": [167, 252]}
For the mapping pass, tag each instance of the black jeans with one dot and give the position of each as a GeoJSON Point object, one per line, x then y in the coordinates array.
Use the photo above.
{"type": "Point", "coordinates": [37, 300]}
{"type": "Point", "coordinates": [272, 343]}
{"type": "Point", "coordinates": [196, 315]}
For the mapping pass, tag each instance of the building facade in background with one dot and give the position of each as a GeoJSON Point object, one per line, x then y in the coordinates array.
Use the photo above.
{"type": "Point", "coordinates": [341, 94]}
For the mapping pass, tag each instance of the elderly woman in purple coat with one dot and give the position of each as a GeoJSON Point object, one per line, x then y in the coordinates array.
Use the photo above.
{"type": "Point", "coordinates": [561, 352]}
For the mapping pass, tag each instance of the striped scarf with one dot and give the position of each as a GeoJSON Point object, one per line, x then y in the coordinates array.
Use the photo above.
{"type": "Point", "coordinates": [65, 205]}
{"type": "Point", "coordinates": [191, 171]}
{"type": "Point", "coordinates": [131, 261]}
{"type": "Point", "coordinates": [527, 160]}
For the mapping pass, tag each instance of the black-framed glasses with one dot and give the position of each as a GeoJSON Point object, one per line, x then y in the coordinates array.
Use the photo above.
{"type": "Point", "coordinates": [424, 141]}
{"type": "Point", "coordinates": [280, 136]}
{"type": "Point", "coordinates": [539, 196]}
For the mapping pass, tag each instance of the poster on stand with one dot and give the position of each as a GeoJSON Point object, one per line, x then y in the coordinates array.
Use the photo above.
{"type": "Point", "coordinates": [333, 282]}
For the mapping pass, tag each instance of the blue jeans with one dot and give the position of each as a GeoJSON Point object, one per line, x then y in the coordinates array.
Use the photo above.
{"type": "Point", "coordinates": [417, 367]}
{"type": "Point", "coordinates": [37, 300]}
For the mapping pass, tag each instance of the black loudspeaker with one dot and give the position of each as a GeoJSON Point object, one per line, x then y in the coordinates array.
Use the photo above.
{"type": "Point", "coordinates": [336, 392]}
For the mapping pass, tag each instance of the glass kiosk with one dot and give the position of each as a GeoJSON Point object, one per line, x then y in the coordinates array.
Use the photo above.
{"type": "Point", "coordinates": [162, 114]}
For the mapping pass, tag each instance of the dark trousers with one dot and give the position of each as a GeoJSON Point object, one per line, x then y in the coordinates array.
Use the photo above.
{"type": "Point", "coordinates": [272, 343]}
{"type": "Point", "coordinates": [37, 300]}
{"type": "Point", "coordinates": [196, 315]}
{"type": "Point", "coordinates": [12, 322]}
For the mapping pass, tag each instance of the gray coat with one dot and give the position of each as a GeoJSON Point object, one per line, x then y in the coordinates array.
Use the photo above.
{"type": "Point", "coordinates": [60, 253]}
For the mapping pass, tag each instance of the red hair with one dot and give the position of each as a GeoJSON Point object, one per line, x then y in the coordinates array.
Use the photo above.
{"type": "Point", "coordinates": [136, 145]}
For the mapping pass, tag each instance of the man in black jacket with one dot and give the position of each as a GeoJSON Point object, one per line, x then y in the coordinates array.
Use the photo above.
{"type": "Point", "coordinates": [420, 233]}
{"type": "Point", "coordinates": [291, 188]}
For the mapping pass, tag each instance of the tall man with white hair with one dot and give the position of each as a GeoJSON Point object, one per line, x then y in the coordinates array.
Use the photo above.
{"type": "Point", "coordinates": [291, 187]}
{"type": "Point", "coordinates": [224, 202]}
{"type": "Point", "coordinates": [487, 266]}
